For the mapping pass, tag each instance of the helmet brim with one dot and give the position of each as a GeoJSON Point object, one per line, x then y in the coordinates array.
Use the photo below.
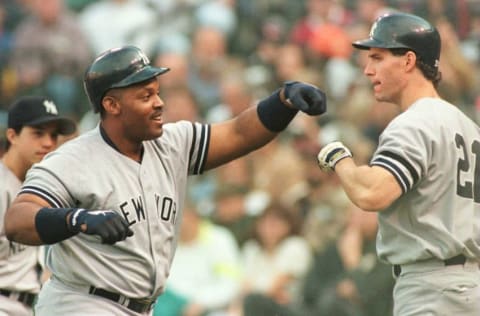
{"type": "Point", "coordinates": [368, 43]}
{"type": "Point", "coordinates": [373, 43]}
{"type": "Point", "coordinates": [144, 74]}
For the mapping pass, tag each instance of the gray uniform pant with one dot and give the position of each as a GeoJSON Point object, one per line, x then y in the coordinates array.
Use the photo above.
{"type": "Point", "coordinates": [57, 298]}
{"type": "Point", "coordinates": [432, 289]}
{"type": "Point", "coordinates": [10, 307]}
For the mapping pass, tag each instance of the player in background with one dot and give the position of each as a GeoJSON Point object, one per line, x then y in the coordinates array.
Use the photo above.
{"type": "Point", "coordinates": [110, 201]}
{"type": "Point", "coordinates": [424, 177]}
{"type": "Point", "coordinates": [32, 132]}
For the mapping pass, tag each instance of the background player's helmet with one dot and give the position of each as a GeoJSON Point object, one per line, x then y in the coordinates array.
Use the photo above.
{"type": "Point", "coordinates": [401, 30]}
{"type": "Point", "coordinates": [117, 68]}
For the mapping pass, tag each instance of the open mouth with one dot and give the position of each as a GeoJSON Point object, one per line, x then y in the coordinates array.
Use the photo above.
{"type": "Point", "coordinates": [376, 85]}
{"type": "Point", "coordinates": [157, 117]}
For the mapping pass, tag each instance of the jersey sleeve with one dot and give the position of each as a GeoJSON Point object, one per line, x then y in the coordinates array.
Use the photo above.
{"type": "Point", "coordinates": [199, 148]}
{"type": "Point", "coordinates": [195, 147]}
{"type": "Point", "coordinates": [404, 150]}
{"type": "Point", "coordinates": [44, 180]}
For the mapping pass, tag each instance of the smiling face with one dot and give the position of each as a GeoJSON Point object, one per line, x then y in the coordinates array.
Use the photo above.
{"type": "Point", "coordinates": [387, 73]}
{"type": "Point", "coordinates": [138, 109]}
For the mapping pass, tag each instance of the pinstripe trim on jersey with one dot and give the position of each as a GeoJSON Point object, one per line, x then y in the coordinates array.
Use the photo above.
{"type": "Point", "coordinates": [202, 149]}
{"type": "Point", "coordinates": [207, 145]}
{"type": "Point", "coordinates": [404, 162]}
{"type": "Point", "coordinates": [395, 171]}
{"type": "Point", "coordinates": [194, 141]}
{"type": "Point", "coordinates": [54, 202]}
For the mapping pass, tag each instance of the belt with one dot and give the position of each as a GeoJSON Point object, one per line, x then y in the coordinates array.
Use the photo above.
{"type": "Point", "coordinates": [457, 260]}
{"type": "Point", "coordinates": [23, 297]}
{"type": "Point", "coordinates": [134, 304]}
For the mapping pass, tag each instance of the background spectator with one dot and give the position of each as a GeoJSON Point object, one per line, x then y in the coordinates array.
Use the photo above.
{"type": "Point", "coordinates": [50, 54]}
{"type": "Point", "coordinates": [268, 272]}
{"type": "Point", "coordinates": [205, 275]}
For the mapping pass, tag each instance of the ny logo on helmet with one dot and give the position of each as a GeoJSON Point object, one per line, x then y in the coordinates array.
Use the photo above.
{"type": "Point", "coordinates": [144, 58]}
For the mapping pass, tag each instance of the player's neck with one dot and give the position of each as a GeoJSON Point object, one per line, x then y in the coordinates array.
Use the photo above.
{"type": "Point", "coordinates": [419, 90]}
{"type": "Point", "coordinates": [16, 164]}
{"type": "Point", "coordinates": [120, 143]}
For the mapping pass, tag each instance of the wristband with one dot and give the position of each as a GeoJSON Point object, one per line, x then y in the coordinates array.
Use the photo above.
{"type": "Point", "coordinates": [273, 114]}
{"type": "Point", "coordinates": [51, 224]}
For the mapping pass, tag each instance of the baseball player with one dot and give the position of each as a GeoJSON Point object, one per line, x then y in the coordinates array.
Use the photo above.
{"type": "Point", "coordinates": [110, 201]}
{"type": "Point", "coordinates": [424, 176]}
{"type": "Point", "coordinates": [32, 132]}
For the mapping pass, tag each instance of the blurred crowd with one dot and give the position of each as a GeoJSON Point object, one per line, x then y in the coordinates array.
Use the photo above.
{"type": "Point", "coordinates": [267, 234]}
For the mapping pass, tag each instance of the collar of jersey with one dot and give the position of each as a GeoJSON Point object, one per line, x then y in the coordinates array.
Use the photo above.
{"type": "Point", "coordinates": [112, 144]}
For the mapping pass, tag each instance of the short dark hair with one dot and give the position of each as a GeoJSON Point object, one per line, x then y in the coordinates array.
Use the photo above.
{"type": "Point", "coordinates": [17, 130]}
{"type": "Point", "coordinates": [430, 72]}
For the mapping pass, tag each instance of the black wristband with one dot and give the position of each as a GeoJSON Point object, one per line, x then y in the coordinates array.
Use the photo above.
{"type": "Point", "coordinates": [51, 224]}
{"type": "Point", "coordinates": [273, 114]}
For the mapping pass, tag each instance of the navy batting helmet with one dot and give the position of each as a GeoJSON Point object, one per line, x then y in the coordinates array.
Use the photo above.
{"type": "Point", "coordinates": [117, 68]}
{"type": "Point", "coordinates": [402, 30]}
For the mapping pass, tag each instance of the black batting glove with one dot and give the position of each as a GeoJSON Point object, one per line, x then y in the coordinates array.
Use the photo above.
{"type": "Point", "coordinates": [107, 224]}
{"type": "Point", "coordinates": [305, 97]}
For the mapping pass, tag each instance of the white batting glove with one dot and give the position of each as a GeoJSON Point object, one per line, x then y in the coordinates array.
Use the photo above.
{"type": "Point", "coordinates": [331, 154]}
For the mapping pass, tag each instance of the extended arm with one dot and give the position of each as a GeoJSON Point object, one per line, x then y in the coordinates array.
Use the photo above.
{"type": "Point", "coordinates": [371, 188]}
{"type": "Point", "coordinates": [256, 126]}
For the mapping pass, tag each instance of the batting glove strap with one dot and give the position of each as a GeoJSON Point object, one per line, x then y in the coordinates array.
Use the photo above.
{"type": "Point", "coordinates": [331, 154]}
{"type": "Point", "coordinates": [107, 224]}
{"type": "Point", "coordinates": [76, 219]}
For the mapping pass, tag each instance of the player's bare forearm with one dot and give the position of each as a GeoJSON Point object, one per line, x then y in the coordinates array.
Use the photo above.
{"type": "Point", "coordinates": [237, 137]}
{"type": "Point", "coordinates": [258, 125]}
{"type": "Point", "coordinates": [370, 188]}
{"type": "Point", "coordinates": [20, 222]}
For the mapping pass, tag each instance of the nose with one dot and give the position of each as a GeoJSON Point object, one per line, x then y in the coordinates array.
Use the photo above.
{"type": "Point", "coordinates": [50, 140]}
{"type": "Point", "coordinates": [158, 102]}
{"type": "Point", "coordinates": [368, 70]}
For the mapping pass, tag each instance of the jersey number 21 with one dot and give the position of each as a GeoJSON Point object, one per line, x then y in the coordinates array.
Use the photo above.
{"type": "Point", "coordinates": [468, 189]}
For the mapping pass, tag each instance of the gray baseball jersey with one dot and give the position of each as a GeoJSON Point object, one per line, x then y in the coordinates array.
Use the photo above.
{"type": "Point", "coordinates": [18, 263]}
{"type": "Point", "coordinates": [88, 172]}
{"type": "Point", "coordinates": [433, 151]}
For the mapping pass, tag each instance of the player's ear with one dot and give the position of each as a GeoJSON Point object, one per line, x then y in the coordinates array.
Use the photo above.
{"type": "Point", "coordinates": [10, 134]}
{"type": "Point", "coordinates": [410, 60]}
{"type": "Point", "coordinates": [111, 104]}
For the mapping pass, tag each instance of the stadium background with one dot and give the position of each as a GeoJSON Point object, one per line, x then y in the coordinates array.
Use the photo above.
{"type": "Point", "coordinates": [225, 55]}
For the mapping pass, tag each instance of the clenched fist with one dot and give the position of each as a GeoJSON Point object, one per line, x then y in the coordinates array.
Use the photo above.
{"type": "Point", "coordinates": [331, 154]}
{"type": "Point", "coordinates": [305, 97]}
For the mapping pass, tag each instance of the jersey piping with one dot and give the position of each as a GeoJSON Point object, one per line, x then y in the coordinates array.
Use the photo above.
{"type": "Point", "coordinates": [43, 194]}
{"type": "Point", "coordinates": [392, 162]}
{"type": "Point", "coordinates": [204, 143]}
